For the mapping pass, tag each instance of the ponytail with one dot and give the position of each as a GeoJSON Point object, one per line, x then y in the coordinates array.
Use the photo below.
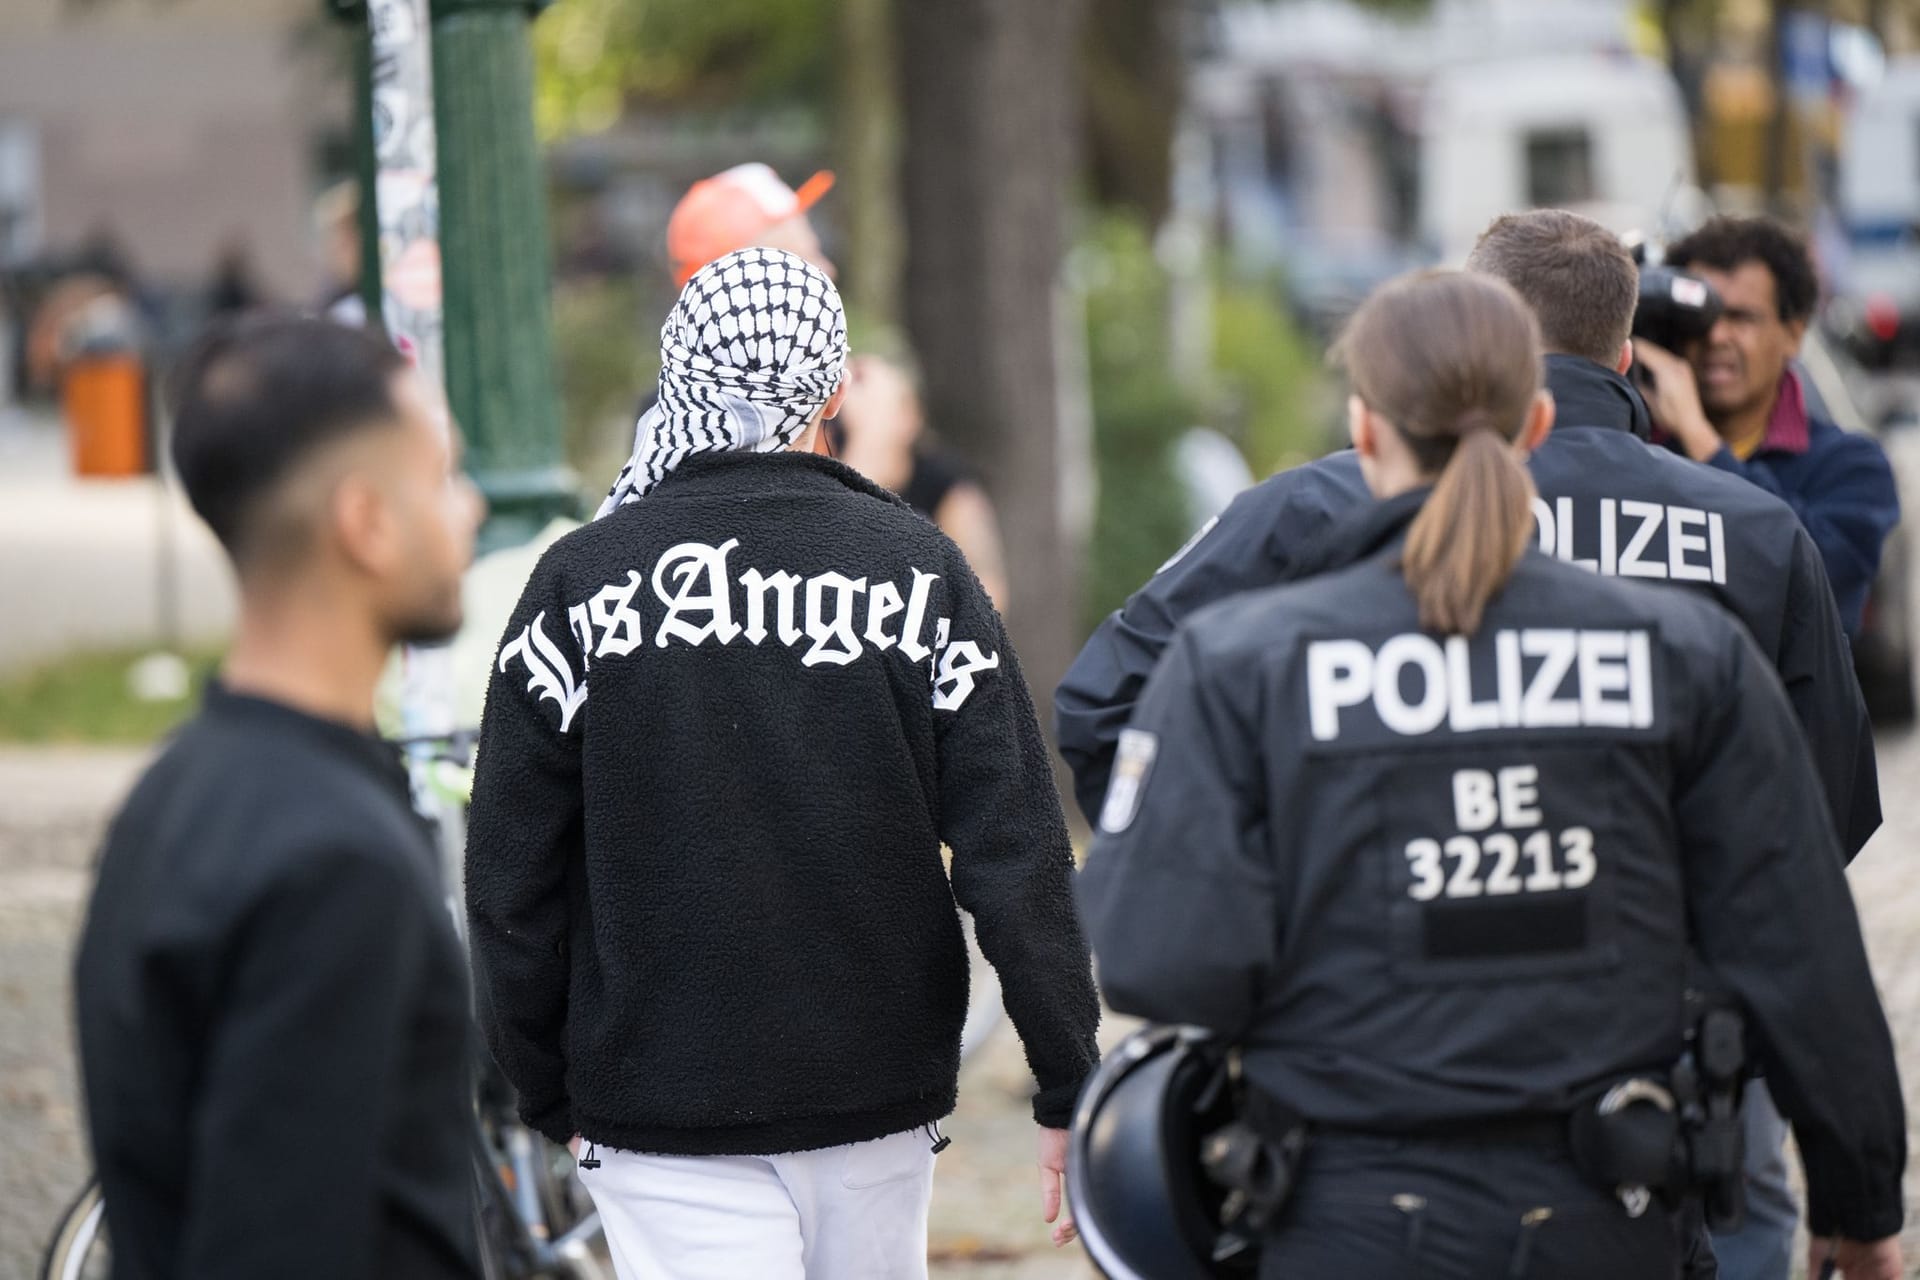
{"type": "Point", "coordinates": [1453, 363]}
{"type": "Point", "coordinates": [1464, 544]}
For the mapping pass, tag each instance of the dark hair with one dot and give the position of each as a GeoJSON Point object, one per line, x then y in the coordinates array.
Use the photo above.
{"type": "Point", "coordinates": [1453, 361]}
{"type": "Point", "coordinates": [1725, 243]}
{"type": "Point", "coordinates": [258, 395]}
{"type": "Point", "coordinates": [1575, 274]}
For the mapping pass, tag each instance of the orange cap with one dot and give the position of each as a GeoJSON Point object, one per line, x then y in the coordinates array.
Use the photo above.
{"type": "Point", "coordinates": [730, 210]}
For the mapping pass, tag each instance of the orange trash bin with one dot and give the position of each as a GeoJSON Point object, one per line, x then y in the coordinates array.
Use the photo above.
{"type": "Point", "coordinates": [104, 398]}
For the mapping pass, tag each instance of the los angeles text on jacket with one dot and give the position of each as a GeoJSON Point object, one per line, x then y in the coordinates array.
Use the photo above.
{"type": "Point", "coordinates": [731, 727]}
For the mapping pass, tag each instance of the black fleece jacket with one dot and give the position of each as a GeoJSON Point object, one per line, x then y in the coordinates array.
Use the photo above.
{"type": "Point", "coordinates": [730, 727]}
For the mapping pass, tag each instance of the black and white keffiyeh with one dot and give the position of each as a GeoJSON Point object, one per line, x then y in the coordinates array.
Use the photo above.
{"type": "Point", "coordinates": [753, 348]}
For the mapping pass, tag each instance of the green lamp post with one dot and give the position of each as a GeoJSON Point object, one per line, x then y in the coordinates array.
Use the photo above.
{"type": "Point", "coordinates": [497, 277]}
{"type": "Point", "coordinates": [494, 252]}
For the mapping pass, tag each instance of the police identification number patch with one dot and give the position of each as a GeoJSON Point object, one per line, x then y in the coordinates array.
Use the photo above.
{"type": "Point", "coordinates": [1131, 763]}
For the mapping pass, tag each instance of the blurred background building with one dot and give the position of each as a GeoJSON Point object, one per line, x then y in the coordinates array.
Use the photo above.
{"type": "Point", "coordinates": [1115, 233]}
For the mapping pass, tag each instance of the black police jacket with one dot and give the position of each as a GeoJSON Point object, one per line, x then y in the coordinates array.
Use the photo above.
{"type": "Point", "coordinates": [1432, 880]}
{"type": "Point", "coordinates": [1607, 502]}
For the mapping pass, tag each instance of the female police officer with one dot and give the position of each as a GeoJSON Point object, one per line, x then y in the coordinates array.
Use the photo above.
{"type": "Point", "coordinates": [1430, 839]}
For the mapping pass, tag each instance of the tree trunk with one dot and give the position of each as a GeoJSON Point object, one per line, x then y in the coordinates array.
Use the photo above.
{"type": "Point", "coordinates": [1133, 90]}
{"type": "Point", "coordinates": [1779, 124]}
{"type": "Point", "coordinates": [868, 120]}
{"type": "Point", "coordinates": [990, 97]}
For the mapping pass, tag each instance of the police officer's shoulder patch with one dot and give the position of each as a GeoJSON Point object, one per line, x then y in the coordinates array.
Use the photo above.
{"type": "Point", "coordinates": [1188, 545]}
{"type": "Point", "coordinates": [1132, 761]}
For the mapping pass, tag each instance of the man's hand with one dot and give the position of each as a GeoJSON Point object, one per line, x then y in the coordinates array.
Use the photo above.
{"type": "Point", "coordinates": [1053, 1173]}
{"type": "Point", "coordinates": [1856, 1259]}
{"type": "Point", "coordinates": [1674, 400]}
{"type": "Point", "coordinates": [573, 1146]}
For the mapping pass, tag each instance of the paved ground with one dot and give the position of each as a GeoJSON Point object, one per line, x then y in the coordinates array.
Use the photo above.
{"type": "Point", "coordinates": [96, 563]}
{"type": "Point", "coordinates": [986, 1221]}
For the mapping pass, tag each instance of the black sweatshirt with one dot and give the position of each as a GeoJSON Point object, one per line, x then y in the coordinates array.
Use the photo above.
{"type": "Point", "coordinates": [273, 1014]}
{"type": "Point", "coordinates": [729, 729]}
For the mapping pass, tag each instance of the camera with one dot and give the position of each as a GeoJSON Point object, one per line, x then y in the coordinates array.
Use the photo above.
{"type": "Point", "coordinates": [1674, 308]}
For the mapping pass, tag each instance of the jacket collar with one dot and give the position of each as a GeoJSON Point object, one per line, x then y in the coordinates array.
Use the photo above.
{"type": "Point", "coordinates": [1789, 429]}
{"type": "Point", "coordinates": [1361, 534]}
{"type": "Point", "coordinates": [1586, 394]}
{"type": "Point", "coordinates": [773, 472]}
{"type": "Point", "coordinates": [366, 751]}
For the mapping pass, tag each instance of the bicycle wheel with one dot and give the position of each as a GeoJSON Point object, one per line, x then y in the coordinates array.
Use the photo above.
{"type": "Point", "coordinates": [79, 1250]}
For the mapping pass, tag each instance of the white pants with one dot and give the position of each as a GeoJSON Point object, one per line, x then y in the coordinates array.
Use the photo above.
{"type": "Point", "coordinates": [841, 1213]}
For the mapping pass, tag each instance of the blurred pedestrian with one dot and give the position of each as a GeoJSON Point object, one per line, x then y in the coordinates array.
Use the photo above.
{"type": "Point", "coordinates": [271, 997]}
{"type": "Point", "coordinates": [881, 433]}
{"type": "Point", "coordinates": [733, 723]}
{"type": "Point", "coordinates": [235, 285]}
{"type": "Point", "coordinates": [747, 206]}
{"type": "Point", "coordinates": [1734, 401]}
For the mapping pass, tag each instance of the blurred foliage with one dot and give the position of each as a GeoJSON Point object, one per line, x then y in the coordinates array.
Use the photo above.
{"type": "Point", "coordinates": [1267, 391]}
{"type": "Point", "coordinates": [87, 699]}
{"type": "Point", "coordinates": [608, 355]}
{"type": "Point", "coordinates": [595, 58]}
{"type": "Point", "coordinates": [1270, 384]}
{"type": "Point", "coordinates": [1139, 413]}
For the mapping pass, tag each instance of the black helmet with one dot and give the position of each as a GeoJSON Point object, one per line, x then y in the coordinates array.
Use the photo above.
{"type": "Point", "coordinates": [1145, 1206]}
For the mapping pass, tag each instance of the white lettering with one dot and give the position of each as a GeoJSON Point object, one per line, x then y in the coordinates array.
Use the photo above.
{"type": "Point", "coordinates": [1640, 679]}
{"type": "Point", "coordinates": [959, 663]}
{"type": "Point", "coordinates": [549, 674]}
{"type": "Point", "coordinates": [690, 562]}
{"type": "Point", "coordinates": [916, 617]}
{"type": "Point", "coordinates": [1631, 565]}
{"type": "Point", "coordinates": [582, 633]}
{"type": "Point", "coordinates": [1464, 715]}
{"type": "Point", "coordinates": [1564, 506]}
{"type": "Point", "coordinates": [1546, 678]}
{"type": "Point", "coordinates": [691, 581]}
{"type": "Point", "coordinates": [1648, 554]}
{"type": "Point", "coordinates": [782, 584]}
{"type": "Point", "coordinates": [824, 630]}
{"type": "Point", "coordinates": [1603, 670]}
{"type": "Point", "coordinates": [1539, 708]}
{"type": "Point", "coordinates": [1424, 716]}
{"type": "Point", "coordinates": [1520, 797]}
{"type": "Point", "coordinates": [611, 609]}
{"type": "Point", "coordinates": [1339, 674]}
{"type": "Point", "coordinates": [1680, 543]}
{"type": "Point", "coordinates": [883, 601]}
{"type": "Point", "coordinates": [1474, 806]}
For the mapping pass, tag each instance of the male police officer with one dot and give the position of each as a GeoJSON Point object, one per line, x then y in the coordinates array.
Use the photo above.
{"type": "Point", "coordinates": [1607, 501]}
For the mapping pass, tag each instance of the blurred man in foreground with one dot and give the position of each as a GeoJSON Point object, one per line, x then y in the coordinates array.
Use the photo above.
{"type": "Point", "coordinates": [1736, 403]}
{"type": "Point", "coordinates": [272, 1001]}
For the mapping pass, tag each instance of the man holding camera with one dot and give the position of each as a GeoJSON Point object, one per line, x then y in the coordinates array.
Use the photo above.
{"type": "Point", "coordinates": [1734, 401]}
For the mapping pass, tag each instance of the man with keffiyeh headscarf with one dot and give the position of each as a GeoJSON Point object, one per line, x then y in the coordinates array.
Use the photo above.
{"type": "Point", "coordinates": [731, 724]}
